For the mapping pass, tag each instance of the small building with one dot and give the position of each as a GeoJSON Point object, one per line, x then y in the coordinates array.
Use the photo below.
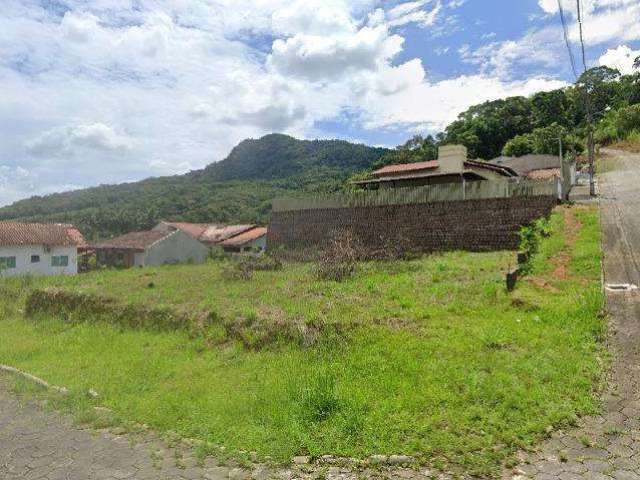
{"type": "Point", "coordinates": [539, 166]}
{"type": "Point", "coordinates": [452, 166]}
{"type": "Point", "coordinates": [217, 235]}
{"type": "Point", "coordinates": [542, 167]}
{"type": "Point", "coordinates": [152, 247]}
{"type": "Point", "coordinates": [251, 241]}
{"type": "Point", "coordinates": [39, 248]}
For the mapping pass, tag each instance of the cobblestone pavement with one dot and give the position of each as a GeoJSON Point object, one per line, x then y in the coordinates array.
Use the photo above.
{"type": "Point", "coordinates": [35, 444]}
{"type": "Point", "coordinates": [608, 446]}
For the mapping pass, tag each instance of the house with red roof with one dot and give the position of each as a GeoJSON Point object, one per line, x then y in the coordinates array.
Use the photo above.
{"type": "Point", "coordinates": [150, 248]}
{"type": "Point", "coordinates": [39, 248]}
{"type": "Point", "coordinates": [243, 238]}
{"type": "Point", "coordinates": [452, 166]}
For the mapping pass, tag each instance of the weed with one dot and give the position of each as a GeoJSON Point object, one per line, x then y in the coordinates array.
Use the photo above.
{"type": "Point", "coordinates": [340, 259]}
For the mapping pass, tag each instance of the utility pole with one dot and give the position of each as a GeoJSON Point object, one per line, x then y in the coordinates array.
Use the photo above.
{"type": "Point", "coordinates": [587, 101]}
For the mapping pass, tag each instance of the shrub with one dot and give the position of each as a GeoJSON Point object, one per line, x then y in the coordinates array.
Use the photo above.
{"type": "Point", "coordinates": [339, 261]}
{"type": "Point", "coordinates": [530, 237]}
{"type": "Point", "coordinates": [628, 119]}
{"type": "Point", "coordinates": [242, 268]}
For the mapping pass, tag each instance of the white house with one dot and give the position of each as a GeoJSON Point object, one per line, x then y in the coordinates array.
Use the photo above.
{"type": "Point", "coordinates": [38, 248]}
{"type": "Point", "coordinates": [152, 247]}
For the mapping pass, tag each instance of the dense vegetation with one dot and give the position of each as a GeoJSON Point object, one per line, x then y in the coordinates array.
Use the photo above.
{"type": "Point", "coordinates": [429, 357]}
{"type": "Point", "coordinates": [241, 187]}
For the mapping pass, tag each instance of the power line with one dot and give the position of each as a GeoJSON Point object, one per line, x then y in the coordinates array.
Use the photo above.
{"type": "Point", "coordinates": [566, 39]}
{"type": "Point", "coordinates": [584, 58]}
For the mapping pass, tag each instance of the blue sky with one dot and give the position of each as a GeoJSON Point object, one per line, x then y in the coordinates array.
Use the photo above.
{"type": "Point", "coordinates": [107, 91]}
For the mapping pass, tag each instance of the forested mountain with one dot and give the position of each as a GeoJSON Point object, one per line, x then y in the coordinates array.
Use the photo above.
{"type": "Point", "coordinates": [239, 188]}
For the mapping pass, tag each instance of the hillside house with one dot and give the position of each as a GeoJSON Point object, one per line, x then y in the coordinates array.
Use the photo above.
{"type": "Point", "coordinates": [452, 166]}
{"type": "Point", "coordinates": [539, 166]}
{"type": "Point", "coordinates": [251, 241]}
{"type": "Point", "coordinates": [248, 237]}
{"type": "Point", "coordinates": [152, 247]}
{"type": "Point", "coordinates": [542, 167]}
{"type": "Point", "coordinates": [39, 249]}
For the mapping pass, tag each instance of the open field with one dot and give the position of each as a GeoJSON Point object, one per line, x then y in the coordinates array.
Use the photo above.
{"type": "Point", "coordinates": [429, 357]}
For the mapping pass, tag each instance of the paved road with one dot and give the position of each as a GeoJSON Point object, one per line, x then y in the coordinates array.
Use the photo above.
{"type": "Point", "coordinates": [35, 444]}
{"type": "Point", "coordinates": [608, 446]}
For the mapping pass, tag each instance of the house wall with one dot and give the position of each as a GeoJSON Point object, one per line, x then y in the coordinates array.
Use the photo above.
{"type": "Point", "coordinates": [259, 244]}
{"type": "Point", "coordinates": [23, 255]}
{"type": "Point", "coordinates": [475, 225]}
{"type": "Point", "coordinates": [176, 248]}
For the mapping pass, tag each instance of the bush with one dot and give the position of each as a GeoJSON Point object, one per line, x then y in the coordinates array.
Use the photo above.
{"type": "Point", "coordinates": [530, 237]}
{"type": "Point", "coordinates": [628, 120]}
{"type": "Point", "coordinates": [339, 261]}
{"type": "Point", "coordinates": [242, 268]}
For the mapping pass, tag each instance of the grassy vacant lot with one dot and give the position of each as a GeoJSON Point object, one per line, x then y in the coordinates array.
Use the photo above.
{"type": "Point", "coordinates": [432, 358]}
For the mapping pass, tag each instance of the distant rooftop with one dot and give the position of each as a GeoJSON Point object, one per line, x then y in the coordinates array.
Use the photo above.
{"type": "Point", "coordinates": [138, 241]}
{"type": "Point", "coordinates": [49, 234]}
{"type": "Point", "coordinates": [401, 168]}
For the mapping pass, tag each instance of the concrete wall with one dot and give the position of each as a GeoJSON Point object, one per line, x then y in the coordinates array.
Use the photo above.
{"type": "Point", "coordinates": [176, 248]}
{"type": "Point", "coordinates": [475, 225]}
{"type": "Point", "coordinates": [23, 255]}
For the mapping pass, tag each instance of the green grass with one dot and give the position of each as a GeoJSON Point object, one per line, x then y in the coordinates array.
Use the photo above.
{"type": "Point", "coordinates": [438, 360]}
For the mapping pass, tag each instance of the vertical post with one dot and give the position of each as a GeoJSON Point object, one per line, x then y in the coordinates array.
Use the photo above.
{"type": "Point", "coordinates": [592, 184]}
{"type": "Point", "coordinates": [561, 163]}
{"type": "Point", "coordinates": [464, 184]}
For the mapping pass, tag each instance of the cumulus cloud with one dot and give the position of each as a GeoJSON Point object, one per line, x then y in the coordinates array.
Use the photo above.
{"type": "Point", "coordinates": [433, 105]}
{"type": "Point", "coordinates": [318, 57]}
{"type": "Point", "coordinates": [67, 140]}
{"type": "Point", "coordinates": [621, 58]}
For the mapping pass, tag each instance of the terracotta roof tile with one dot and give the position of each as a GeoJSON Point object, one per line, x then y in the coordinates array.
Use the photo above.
{"type": "Point", "coordinates": [50, 234]}
{"type": "Point", "coordinates": [219, 233]}
{"type": "Point", "coordinates": [245, 237]}
{"type": "Point", "coordinates": [544, 173]}
{"type": "Point", "coordinates": [192, 229]}
{"type": "Point", "coordinates": [138, 241]}
{"type": "Point", "coordinates": [405, 167]}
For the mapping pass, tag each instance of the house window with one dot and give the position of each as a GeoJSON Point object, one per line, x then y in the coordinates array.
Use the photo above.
{"type": "Point", "coordinates": [7, 262]}
{"type": "Point", "coordinates": [60, 261]}
{"type": "Point", "coordinates": [35, 258]}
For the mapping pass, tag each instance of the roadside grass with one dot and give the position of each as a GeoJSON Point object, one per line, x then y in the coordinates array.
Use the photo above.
{"type": "Point", "coordinates": [631, 143]}
{"type": "Point", "coordinates": [438, 361]}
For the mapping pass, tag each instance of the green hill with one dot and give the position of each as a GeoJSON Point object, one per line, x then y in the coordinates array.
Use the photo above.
{"type": "Point", "coordinates": [237, 189]}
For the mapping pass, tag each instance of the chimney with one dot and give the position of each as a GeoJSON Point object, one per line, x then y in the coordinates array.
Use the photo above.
{"type": "Point", "coordinates": [451, 158]}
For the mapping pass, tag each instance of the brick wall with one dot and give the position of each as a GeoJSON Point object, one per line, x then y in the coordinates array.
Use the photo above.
{"type": "Point", "coordinates": [475, 225]}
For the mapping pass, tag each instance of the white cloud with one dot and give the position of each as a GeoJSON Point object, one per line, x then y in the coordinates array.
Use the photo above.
{"type": "Point", "coordinates": [603, 20]}
{"type": "Point", "coordinates": [540, 48]}
{"type": "Point", "coordinates": [621, 58]}
{"type": "Point", "coordinates": [432, 106]}
{"type": "Point", "coordinates": [319, 57]}
{"type": "Point", "coordinates": [67, 140]}
{"type": "Point", "coordinates": [414, 12]}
